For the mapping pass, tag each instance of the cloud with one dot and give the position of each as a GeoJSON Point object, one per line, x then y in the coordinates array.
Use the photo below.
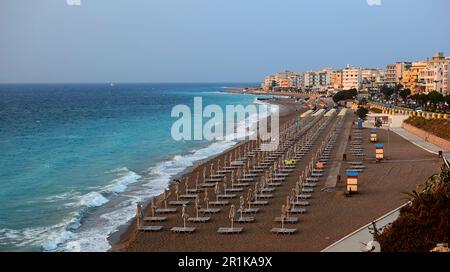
{"type": "Point", "coordinates": [73, 2]}
{"type": "Point", "coordinates": [374, 2]}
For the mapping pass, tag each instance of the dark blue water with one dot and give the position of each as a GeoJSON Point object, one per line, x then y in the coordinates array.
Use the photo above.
{"type": "Point", "coordinates": [74, 159]}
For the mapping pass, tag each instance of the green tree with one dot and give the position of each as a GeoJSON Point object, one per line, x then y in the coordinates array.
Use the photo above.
{"type": "Point", "coordinates": [387, 91]}
{"type": "Point", "coordinates": [405, 93]}
{"type": "Point", "coordinates": [435, 97]}
{"type": "Point", "coordinates": [362, 113]}
{"type": "Point", "coordinates": [447, 99]}
{"type": "Point", "coordinates": [345, 95]}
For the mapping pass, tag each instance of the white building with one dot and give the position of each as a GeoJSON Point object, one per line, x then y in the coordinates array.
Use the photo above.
{"type": "Point", "coordinates": [351, 78]}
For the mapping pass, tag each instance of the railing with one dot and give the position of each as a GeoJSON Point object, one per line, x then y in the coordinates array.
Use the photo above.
{"type": "Point", "coordinates": [392, 110]}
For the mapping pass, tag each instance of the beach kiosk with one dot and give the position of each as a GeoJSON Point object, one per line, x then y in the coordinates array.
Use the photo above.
{"type": "Point", "coordinates": [379, 151]}
{"type": "Point", "coordinates": [373, 135]}
{"type": "Point", "coordinates": [352, 182]}
{"type": "Point", "coordinates": [360, 123]}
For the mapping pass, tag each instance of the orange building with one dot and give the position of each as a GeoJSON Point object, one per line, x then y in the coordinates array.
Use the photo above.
{"type": "Point", "coordinates": [336, 79]}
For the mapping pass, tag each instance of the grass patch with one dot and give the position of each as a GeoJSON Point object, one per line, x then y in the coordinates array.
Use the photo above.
{"type": "Point", "coordinates": [437, 127]}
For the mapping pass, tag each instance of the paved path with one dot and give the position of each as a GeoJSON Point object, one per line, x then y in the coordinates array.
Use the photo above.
{"type": "Point", "coordinates": [331, 181]}
{"type": "Point", "coordinates": [419, 141]}
{"type": "Point", "coordinates": [357, 240]}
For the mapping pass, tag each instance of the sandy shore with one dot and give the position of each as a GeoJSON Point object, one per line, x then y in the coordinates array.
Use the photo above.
{"type": "Point", "coordinates": [330, 215]}
{"type": "Point", "coordinates": [257, 91]}
{"type": "Point", "coordinates": [127, 234]}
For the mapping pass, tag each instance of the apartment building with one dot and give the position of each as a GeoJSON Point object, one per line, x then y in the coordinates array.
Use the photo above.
{"type": "Point", "coordinates": [351, 78]}
{"type": "Point", "coordinates": [336, 79]}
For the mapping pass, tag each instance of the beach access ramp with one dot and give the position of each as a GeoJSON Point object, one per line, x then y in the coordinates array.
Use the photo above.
{"type": "Point", "coordinates": [306, 114]}
{"type": "Point", "coordinates": [342, 112]}
{"type": "Point", "coordinates": [330, 113]}
{"type": "Point", "coordinates": [319, 112]}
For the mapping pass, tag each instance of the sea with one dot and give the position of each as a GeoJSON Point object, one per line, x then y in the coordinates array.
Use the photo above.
{"type": "Point", "coordinates": [76, 158]}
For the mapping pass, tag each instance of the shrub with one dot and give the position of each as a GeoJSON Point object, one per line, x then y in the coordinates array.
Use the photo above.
{"type": "Point", "coordinates": [437, 127]}
{"type": "Point", "coordinates": [425, 222]}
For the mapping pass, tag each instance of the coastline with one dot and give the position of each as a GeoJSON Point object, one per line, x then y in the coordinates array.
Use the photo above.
{"type": "Point", "coordinates": [126, 234]}
{"type": "Point", "coordinates": [259, 91]}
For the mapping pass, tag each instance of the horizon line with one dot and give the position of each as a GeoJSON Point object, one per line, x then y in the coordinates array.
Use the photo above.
{"type": "Point", "coordinates": [130, 82]}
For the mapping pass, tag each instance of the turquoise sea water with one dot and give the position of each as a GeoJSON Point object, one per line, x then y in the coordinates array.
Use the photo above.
{"type": "Point", "coordinates": [74, 159]}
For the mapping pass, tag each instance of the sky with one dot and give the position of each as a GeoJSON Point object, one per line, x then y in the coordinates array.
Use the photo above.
{"type": "Point", "coordinates": [210, 40]}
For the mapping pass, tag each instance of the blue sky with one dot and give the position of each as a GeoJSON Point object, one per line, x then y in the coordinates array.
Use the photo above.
{"type": "Point", "coordinates": [210, 40]}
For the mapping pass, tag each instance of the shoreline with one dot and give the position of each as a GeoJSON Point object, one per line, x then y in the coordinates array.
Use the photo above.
{"type": "Point", "coordinates": [126, 233]}
{"type": "Point", "coordinates": [259, 91]}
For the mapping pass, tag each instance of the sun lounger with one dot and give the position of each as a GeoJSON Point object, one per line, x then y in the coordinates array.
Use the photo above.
{"type": "Point", "coordinates": [264, 196]}
{"type": "Point", "coordinates": [224, 171]}
{"type": "Point", "coordinates": [182, 230]}
{"type": "Point", "coordinates": [234, 190]}
{"type": "Point", "coordinates": [304, 196]}
{"type": "Point", "coordinates": [199, 219]}
{"type": "Point", "coordinates": [150, 228]}
{"type": "Point", "coordinates": [189, 196]}
{"type": "Point", "coordinates": [287, 220]}
{"type": "Point", "coordinates": [245, 179]}
{"type": "Point", "coordinates": [298, 210]}
{"type": "Point", "coordinates": [300, 203]}
{"type": "Point", "coordinates": [193, 191]}
{"type": "Point", "coordinates": [243, 220]}
{"type": "Point", "coordinates": [166, 210]}
{"type": "Point", "coordinates": [310, 184]}
{"type": "Point", "coordinates": [249, 210]}
{"type": "Point", "coordinates": [226, 196]}
{"type": "Point", "coordinates": [179, 202]}
{"type": "Point", "coordinates": [209, 210]}
{"type": "Point", "coordinates": [259, 203]}
{"type": "Point", "coordinates": [229, 230]}
{"type": "Point", "coordinates": [241, 184]}
{"type": "Point", "coordinates": [155, 218]}
{"type": "Point", "coordinates": [283, 231]}
{"type": "Point", "coordinates": [267, 190]}
{"type": "Point", "coordinates": [213, 180]}
{"type": "Point", "coordinates": [219, 203]}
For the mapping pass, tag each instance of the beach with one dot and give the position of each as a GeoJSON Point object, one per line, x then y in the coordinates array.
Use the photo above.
{"type": "Point", "coordinates": [330, 214]}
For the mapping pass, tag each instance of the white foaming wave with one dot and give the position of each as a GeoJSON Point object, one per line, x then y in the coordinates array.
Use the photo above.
{"type": "Point", "coordinates": [126, 178]}
{"type": "Point", "coordinates": [95, 239]}
{"type": "Point", "coordinates": [62, 236]}
{"type": "Point", "coordinates": [93, 199]}
{"type": "Point", "coordinates": [46, 237]}
{"type": "Point", "coordinates": [248, 126]}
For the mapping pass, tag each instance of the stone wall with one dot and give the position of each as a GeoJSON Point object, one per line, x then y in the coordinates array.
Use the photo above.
{"type": "Point", "coordinates": [442, 143]}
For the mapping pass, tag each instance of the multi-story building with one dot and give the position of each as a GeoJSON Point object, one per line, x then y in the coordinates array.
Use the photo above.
{"type": "Point", "coordinates": [351, 78]}
{"type": "Point", "coordinates": [415, 78]}
{"type": "Point", "coordinates": [324, 77]}
{"type": "Point", "coordinates": [391, 73]}
{"type": "Point", "coordinates": [427, 76]}
{"type": "Point", "coordinates": [310, 79]}
{"type": "Point", "coordinates": [394, 72]}
{"type": "Point", "coordinates": [269, 83]}
{"type": "Point", "coordinates": [336, 79]}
